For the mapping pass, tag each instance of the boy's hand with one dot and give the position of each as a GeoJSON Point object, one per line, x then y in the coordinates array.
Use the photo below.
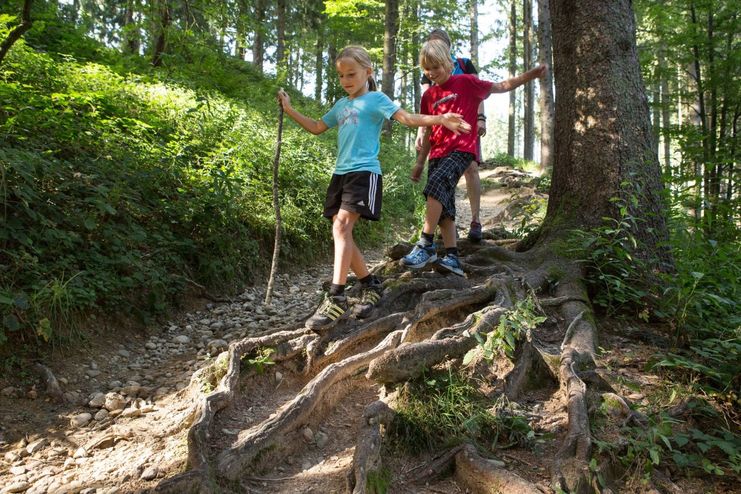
{"type": "Point", "coordinates": [417, 172]}
{"type": "Point", "coordinates": [455, 123]}
{"type": "Point", "coordinates": [284, 99]}
{"type": "Point", "coordinates": [541, 70]}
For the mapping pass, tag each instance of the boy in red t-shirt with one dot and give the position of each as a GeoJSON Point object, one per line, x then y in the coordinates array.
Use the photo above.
{"type": "Point", "coordinates": [449, 155]}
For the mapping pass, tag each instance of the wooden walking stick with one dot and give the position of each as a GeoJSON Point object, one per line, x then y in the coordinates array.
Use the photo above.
{"type": "Point", "coordinates": [276, 205]}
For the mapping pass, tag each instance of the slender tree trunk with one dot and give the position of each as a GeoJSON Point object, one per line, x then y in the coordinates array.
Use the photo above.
{"type": "Point", "coordinates": [529, 98]}
{"type": "Point", "coordinates": [332, 73]}
{"type": "Point", "coordinates": [547, 108]}
{"type": "Point", "coordinates": [160, 43]}
{"type": "Point", "coordinates": [474, 17]}
{"type": "Point", "coordinates": [389, 53]}
{"type": "Point", "coordinates": [711, 166]}
{"type": "Point", "coordinates": [280, 51]}
{"type": "Point", "coordinates": [319, 62]}
{"type": "Point", "coordinates": [130, 29]}
{"type": "Point", "coordinates": [701, 118]}
{"type": "Point", "coordinates": [414, 53]}
{"type": "Point", "coordinates": [603, 130]}
{"type": "Point", "coordinates": [666, 113]}
{"type": "Point", "coordinates": [656, 108]}
{"type": "Point", "coordinates": [18, 31]}
{"type": "Point", "coordinates": [512, 119]}
{"type": "Point", "coordinates": [258, 48]}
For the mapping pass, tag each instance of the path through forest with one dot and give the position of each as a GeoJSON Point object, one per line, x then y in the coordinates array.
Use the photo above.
{"type": "Point", "coordinates": [128, 398]}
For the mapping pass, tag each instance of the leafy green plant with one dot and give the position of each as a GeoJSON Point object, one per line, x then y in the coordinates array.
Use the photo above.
{"type": "Point", "coordinates": [261, 360]}
{"type": "Point", "coordinates": [445, 409]}
{"type": "Point", "coordinates": [513, 325]}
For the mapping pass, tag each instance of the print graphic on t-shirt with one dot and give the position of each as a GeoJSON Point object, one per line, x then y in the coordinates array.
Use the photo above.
{"type": "Point", "coordinates": [348, 114]}
{"type": "Point", "coordinates": [439, 102]}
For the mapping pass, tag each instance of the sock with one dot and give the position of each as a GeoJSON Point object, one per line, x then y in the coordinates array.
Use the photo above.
{"type": "Point", "coordinates": [452, 250]}
{"type": "Point", "coordinates": [336, 289]}
{"type": "Point", "coordinates": [427, 238]}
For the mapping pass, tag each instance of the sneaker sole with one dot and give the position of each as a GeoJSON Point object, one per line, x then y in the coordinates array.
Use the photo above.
{"type": "Point", "coordinates": [443, 269]}
{"type": "Point", "coordinates": [432, 259]}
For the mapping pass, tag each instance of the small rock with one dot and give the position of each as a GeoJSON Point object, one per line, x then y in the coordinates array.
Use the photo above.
{"type": "Point", "coordinates": [182, 339]}
{"type": "Point", "coordinates": [101, 415]}
{"type": "Point", "coordinates": [278, 376]}
{"type": "Point", "coordinates": [97, 401]}
{"type": "Point", "coordinates": [114, 401]}
{"type": "Point", "coordinates": [32, 394]}
{"type": "Point", "coordinates": [36, 446]}
{"type": "Point", "coordinates": [19, 470]}
{"type": "Point", "coordinates": [17, 487]}
{"type": "Point", "coordinates": [124, 353]}
{"type": "Point", "coordinates": [92, 373]}
{"type": "Point", "coordinates": [321, 439]}
{"type": "Point", "coordinates": [308, 434]}
{"type": "Point", "coordinates": [9, 392]}
{"type": "Point", "coordinates": [81, 420]}
{"type": "Point", "coordinates": [80, 453]}
{"type": "Point", "coordinates": [12, 457]}
{"type": "Point", "coordinates": [150, 473]}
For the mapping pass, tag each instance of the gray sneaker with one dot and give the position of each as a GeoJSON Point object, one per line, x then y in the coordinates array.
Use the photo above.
{"type": "Point", "coordinates": [369, 298]}
{"type": "Point", "coordinates": [331, 310]}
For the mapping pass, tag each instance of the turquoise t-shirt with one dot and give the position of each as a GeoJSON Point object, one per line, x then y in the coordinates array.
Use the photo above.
{"type": "Point", "coordinates": [358, 138]}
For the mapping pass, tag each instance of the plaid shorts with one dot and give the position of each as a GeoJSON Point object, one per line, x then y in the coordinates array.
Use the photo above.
{"type": "Point", "coordinates": [443, 176]}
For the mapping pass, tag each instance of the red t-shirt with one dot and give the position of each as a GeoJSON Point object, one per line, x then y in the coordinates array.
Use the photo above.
{"type": "Point", "coordinates": [460, 94]}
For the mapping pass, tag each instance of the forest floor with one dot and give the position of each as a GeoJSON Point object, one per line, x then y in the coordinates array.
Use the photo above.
{"type": "Point", "coordinates": [128, 395]}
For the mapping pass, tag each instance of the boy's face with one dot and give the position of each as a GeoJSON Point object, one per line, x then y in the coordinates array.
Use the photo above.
{"type": "Point", "coordinates": [353, 77]}
{"type": "Point", "coordinates": [439, 74]}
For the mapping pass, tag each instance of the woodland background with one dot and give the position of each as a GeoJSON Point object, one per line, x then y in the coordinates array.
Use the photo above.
{"type": "Point", "coordinates": [136, 145]}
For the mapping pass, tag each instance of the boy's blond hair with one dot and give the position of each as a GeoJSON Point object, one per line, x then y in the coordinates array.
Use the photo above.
{"type": "Point", "coordinates": [435, 53]}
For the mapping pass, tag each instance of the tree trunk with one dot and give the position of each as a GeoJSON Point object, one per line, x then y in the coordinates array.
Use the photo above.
{"type": "Point", "coordinates": [701, 118]}
{"type": "Point", "coordinates": [389, 53]}
{"type": "Point", "coordinates": [17, 31]}
{"type": "Point", "coordinates": [547, 108]}
{"type": "Point", "coordinates": [529, 98]}
{"type": "Point", "coordinates": [474, 17]}
{"type": "Point", "coordinates": [511, 124]}
{"type": "Point", "coordinates": [258, 48]}
{"type": "Point", "coordinates": [665, 112]}
{"type": "Point", "coordinates": [603, 130]}
{"type": "Point", "coordinates": [414, 53]}
{"type": "Point", "coordinates": [319, 62]}
{"type": "Point", "coordinates": [280, 50]}
{"type": "Point", "coordinates": [161, 41]}
{"type": "Point", "coordinates": [332, 73]}
{"type": "Point", "coordinates": [130, 29]}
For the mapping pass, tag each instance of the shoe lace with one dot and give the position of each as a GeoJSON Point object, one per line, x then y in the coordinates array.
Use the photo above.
{"type": "Point", "coordinates": [329, 308]}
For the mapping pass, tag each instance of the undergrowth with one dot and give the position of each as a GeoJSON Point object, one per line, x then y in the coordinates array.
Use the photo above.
{"type": "Point", "coordinates": [122, 185]}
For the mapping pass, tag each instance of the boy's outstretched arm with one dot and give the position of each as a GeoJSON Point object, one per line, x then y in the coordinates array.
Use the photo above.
{"type": "Point", "coordinates": [517, 81]}
{"type": "Point", "coordinates": [452, 121]}
{"type": "Point", "coordinates": [424, 151]}
{"type": "Point", "coordinates": [314, 126]}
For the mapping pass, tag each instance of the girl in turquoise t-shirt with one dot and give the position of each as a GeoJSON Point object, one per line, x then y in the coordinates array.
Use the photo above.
{"type": "Point", "coordinates": [355, 189]}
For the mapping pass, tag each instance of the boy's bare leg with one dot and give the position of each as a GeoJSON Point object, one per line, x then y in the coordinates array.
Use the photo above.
{"type": "Point", "coordinates": [346, 253]}
{"type": "Point", "coordinates": [447, 229]}
{"type": "Point", "coordinates": [432, 215]}
{"type": "Point", "coordinates": [473, 187]}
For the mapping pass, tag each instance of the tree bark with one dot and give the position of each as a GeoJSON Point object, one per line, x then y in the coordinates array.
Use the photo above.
{"type": "Point", "coordinates": [280, 50]}
{"type": "Point", "coordinates": [603, 130]}
{"type": "Point", "coordinates": [529, 97]}
{"type": "Point", "coordinates": [474, 17]}
{"type": "Point", "coordinates": [17, 31]}
{"type": "Point", "coordinates": [161, 41]}
{"type": "Point", "coordinates": [131, 30]}
{"type": "Point", "coordinates": [319, 62]}
{"type": "Point", "coordinates": [389, 53]}
{"type": "Point", "coordinates": [547, 106]}
{"type": "Point", "coordinates": [511, 123]}
{"type": "Point", "coordinates": [258, 48]}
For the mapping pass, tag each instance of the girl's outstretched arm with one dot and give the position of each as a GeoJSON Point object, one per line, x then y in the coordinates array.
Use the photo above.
{"type": "Point", "coordinates": [452, 121]}
{"type": "Point", "coordinates": [314, 126]}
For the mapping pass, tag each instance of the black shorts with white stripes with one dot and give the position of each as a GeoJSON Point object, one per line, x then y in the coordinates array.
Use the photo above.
{"type": "Point", "coordinates": [358, 192]}
{"type": "Point", "coordinates": [443, 176]}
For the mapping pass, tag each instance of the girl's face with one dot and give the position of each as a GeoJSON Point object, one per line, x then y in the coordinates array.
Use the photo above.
{"type": "Point", "coordinates": [439, 74]}
{"type": "Point", "coordinates": [353, 77]}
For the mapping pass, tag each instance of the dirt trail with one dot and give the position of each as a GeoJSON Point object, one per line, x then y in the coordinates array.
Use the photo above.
{"type": "Point", "coordinates": [130, 398]}
{"type": "Point", "coordinates": [123, 423]}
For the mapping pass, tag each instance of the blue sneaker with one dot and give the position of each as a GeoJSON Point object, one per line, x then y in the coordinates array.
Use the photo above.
{"type": "Point", "coordinates": [450, 264]}
{"type": "Point", "coordinates": [420, 256]}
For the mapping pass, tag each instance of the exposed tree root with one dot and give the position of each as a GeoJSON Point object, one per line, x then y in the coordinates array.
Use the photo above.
{"type": "Point", "coordinates": [424, 320]}
{"type": "Point", "coordinates": [483, 476]}
{"type": "Point", "coordinates": [367, 457]}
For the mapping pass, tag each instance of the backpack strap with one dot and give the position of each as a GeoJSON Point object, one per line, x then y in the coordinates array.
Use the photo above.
{"type": "Point", "coordinates": [462, 64]}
